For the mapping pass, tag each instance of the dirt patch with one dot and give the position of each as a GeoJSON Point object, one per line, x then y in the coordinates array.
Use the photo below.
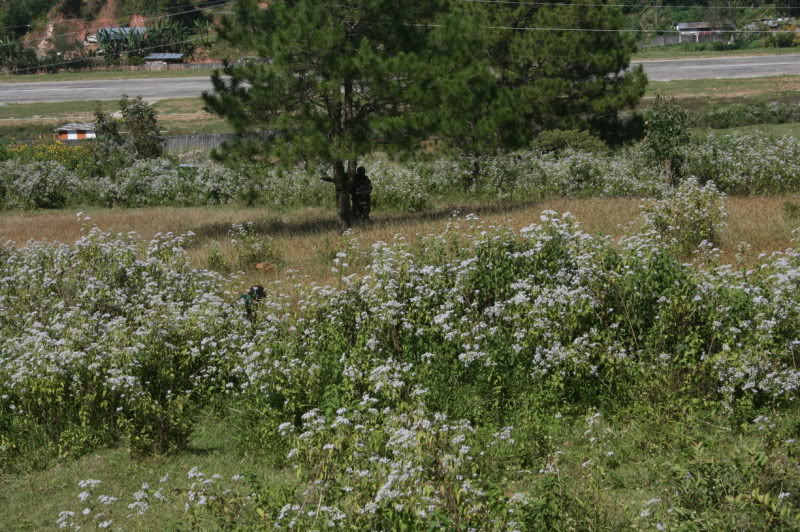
{"type": "Point", "coordinates": [137, 20]}
{"type": "Point", "coordinates": [107, 17]}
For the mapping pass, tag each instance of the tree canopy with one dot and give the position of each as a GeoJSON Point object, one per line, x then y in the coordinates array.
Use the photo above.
{"type": "Point", "coordinates": [513, 73]}
{"type": "Point", "coordinates": [335, 82]}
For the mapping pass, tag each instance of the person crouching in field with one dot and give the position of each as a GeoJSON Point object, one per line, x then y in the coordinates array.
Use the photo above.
{"type": "Point", "coordinates": [255, 294]}
{"type": "Point", "coordinates": [360, 195]}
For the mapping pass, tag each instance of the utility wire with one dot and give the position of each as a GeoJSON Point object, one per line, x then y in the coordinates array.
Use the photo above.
{"type": "Point", "coordinates": [584, 4]}
{"type": "Point", "coordinates": [23, 41]}
{"type": "Point", "coordinates": [138, 12]}
{"type": "Point", "coordinates": [607, 30]}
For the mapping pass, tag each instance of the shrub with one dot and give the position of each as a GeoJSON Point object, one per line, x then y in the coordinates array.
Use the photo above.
{"type": "Point", "coordinates": [687, 215]}
{"type": "Point", "coordinates": [36, 185]}
{"type": "Point", "coordinates": [667, 129]}
{"type": "Point", "coordinates": [129, 342]}
{"type": "Point", "coordinates": [557, 140]}
{"type": "Point", "coordinates": [250, 247]}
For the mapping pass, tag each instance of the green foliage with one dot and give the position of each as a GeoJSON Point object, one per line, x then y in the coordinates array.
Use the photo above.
{"type": "Point", "coordinates": [747, 114]}
{"type": "Point", "coordinates": [141, 122]}
{"type": "Point", "coordinates": [667, 129]}
{"type": "Point", "coordinates": [502, 88]}
{"type": "Point", "coordinates": [329, 95]}
{"type": "Point", "coordinates": [251, 248]}
{"type": "Point", "coordinates": [557, 140]}
{"type": "Point", "coordinates": [688, 216]}
{"type": "Point", "coordinates": [147, 387]}
{"type": "Point", "coordinates": [791, 211]}
{"type": "Point", "coordinates": [113, 151]}
{"type": "Point", "coordinates": [780, 39]}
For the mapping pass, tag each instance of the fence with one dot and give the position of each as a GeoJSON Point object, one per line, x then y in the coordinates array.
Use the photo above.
{"type": "Point", "coordinates": [680, 38]}
{"type": "Point", "coordinates": [184, 143]}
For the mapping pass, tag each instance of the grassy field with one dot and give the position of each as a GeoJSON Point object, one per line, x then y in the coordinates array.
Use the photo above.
{"type": "Point", "coordinates": [102, 74]}
{"type": "Point", "coordinates": [307, 239]}
{"type": "Point", "coordinates": [679, 51]}
{"type": "Point", "coordinates": [775, 130]}
{"type": "Point", "coordinates": [177, 116]}
{"type": "Point", "coordinates": [781, 88]}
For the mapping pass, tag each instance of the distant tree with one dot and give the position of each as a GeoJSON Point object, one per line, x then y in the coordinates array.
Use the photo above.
{"type": "Point", "coordinates": [141, 122]}
{"type": "Point", "coordinates": [337, 81]}
{"type": "Point", "coordinates": [667, 129]}
{"type": "Point", "coordinates": [142, 140]}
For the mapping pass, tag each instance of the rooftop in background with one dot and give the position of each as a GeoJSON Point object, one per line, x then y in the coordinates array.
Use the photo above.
{"type": "Point", "coordinates": [121, 33]}
{"type": "Point", "coordinates": [75, 127]}
{"type": "Point", "coordinates": [164, 57]}
{"type": "Point", "coordinates": [694, 26]}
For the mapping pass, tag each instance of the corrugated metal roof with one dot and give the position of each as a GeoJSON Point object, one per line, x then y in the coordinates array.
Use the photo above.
{"type": "Point", "coordinates": [688, 26]}
{"type": "Point", "coordinates": [75, 127]}
{"type": "Point", "coordinates": [163, 56]}
{"type": "Point", "coordinates": [122, 32]}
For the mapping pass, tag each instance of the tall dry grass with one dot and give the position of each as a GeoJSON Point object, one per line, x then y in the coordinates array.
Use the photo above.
{"type": "Point", "coordinates": [307, 239]}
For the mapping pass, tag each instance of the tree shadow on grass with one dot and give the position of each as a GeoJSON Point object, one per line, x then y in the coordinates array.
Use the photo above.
{"type": "Point", "coordinates": [327, 224]}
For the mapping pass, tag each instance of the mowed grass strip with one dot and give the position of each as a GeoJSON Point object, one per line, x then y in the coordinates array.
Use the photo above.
{"type": "Point", "coordinates": [177, 116]}
{"type": "Point", "coordinates": [308, 238]}
{"type": "Point", "coordinates": [740, 88]}
{"type": "Point", "coordinates": [680, 51]}
{"type": "Point", "coordinates": [104, 74]}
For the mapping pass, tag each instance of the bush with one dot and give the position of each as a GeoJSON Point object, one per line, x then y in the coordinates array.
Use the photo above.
{"type": "Point", "coordinates": [667, 129]}
{"type": "Point", "coordinates": [251, 248]}
{"type": "Point", "coordinates": [557, 140]}
{"type": "Point", "coordinates": [687, 216]}
{"type": "Point", "coordinates": [36, 185]}
{"type": "Point", "coordinates": [780, 39]}
{"type": "Point", "coordinates": [736, 115]}
{"type": "Point", "coordinates": [128, 343]}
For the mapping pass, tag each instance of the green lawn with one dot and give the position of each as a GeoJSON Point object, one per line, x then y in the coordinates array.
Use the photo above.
{"type": "Point", "coordinates": [775, 130]}
{"type": "Point", "coordinates": [31, 120]}
{"type": "Point", "coordinates": [32, 501]}
{"type": "Point", "coordinates": [680, 51]}
{"type": "Point", "coordinates": [103, 74]}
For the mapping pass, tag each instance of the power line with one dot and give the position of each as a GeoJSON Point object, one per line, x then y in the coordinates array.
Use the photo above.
{"type": "Point", "coordinates": [21, 41]}
{"type": "Point", "coordinates": [608, 30]}
{"type": "Point", "coordinates": [82, 59]}
{"type": "Point", "coordinates": [138, 12]}
{"type": "Point", "coordinates": [584, 4]}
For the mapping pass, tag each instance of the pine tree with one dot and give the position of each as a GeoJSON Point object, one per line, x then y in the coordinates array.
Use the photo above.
{"type": "Point", "coordinates": [337, 80]}
{"type": "Point", "coordinates": [513, 74]}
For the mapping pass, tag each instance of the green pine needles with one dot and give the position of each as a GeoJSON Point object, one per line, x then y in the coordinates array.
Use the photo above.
{"type": "Point", "coordinates": [337, 82]}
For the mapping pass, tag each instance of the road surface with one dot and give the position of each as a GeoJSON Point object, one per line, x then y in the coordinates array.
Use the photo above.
{"type": "Point", "coordinates": [722, 67]}
{"type": "Point", "coordinates": [160, 88]}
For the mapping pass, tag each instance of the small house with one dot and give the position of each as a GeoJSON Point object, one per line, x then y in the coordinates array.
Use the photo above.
{"type": "Point", "coordinates": [75, 132]}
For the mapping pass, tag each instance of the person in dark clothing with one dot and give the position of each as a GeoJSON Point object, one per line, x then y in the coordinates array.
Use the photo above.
{"type": "Point", "coordinates": [361, 195]}
{"type": "Point", "coordinates": [253, 295]}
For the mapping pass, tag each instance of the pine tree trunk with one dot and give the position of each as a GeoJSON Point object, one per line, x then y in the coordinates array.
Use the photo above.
{"type": "Point", "coordinates": [341, 181]}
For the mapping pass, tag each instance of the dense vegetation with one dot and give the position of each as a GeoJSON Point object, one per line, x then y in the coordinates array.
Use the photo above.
{"type": "Point", "coordinates": [186, 27]}
{"type": "Point", "coordinates": [56, 176]}
{"type": "Point", "coordinates": [439, 390]}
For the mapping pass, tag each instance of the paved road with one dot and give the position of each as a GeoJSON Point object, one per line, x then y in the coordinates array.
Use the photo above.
{"type": "Point", "coordinates": [160, 88]}
{"type": "Point", "coordinates": [61, 91]}
{"type": "Point", "coordinates": [723, 67]}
